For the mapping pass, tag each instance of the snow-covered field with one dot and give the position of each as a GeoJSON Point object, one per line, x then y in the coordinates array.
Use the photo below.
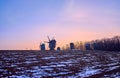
{"type": "Point", "coordinates": [59, 64]}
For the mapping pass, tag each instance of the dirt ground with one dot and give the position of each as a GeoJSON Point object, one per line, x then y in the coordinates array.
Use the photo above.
{"type": "Point", "coordinates": [59, 64]}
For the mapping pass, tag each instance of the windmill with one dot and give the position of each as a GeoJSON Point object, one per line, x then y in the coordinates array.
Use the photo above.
{"type": "Point", "coordinates": [52, 43]}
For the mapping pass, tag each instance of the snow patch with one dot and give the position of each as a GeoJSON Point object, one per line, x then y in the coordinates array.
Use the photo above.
{"type": "Point", "coordinates": [46, 58]}
{"type": "Point", "coordinates": [88, 72]}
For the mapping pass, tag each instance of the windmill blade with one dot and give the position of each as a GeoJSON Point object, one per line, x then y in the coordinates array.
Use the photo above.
{"type": "Point", "coordinates": [53, 38]}
{"type": "Point", "coordinates": [48, 38]}
{"type": "Point", "coordinates": [40, 42]}
{"type": "Point", "coordinates": [46, 42]}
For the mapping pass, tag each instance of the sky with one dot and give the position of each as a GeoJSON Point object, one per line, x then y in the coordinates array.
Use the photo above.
{"type": "Point", "coordinates": [26, 23]}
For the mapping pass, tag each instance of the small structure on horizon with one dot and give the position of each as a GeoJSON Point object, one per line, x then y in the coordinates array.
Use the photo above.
{"type": "Point", "coordinates": [72, 46]}
{"type": "Point", "coordinates": [42, 46]}
{"type": "Point", "coordinates": [58, 49]}
{"type": "Point", "coordinates": [88, 46]}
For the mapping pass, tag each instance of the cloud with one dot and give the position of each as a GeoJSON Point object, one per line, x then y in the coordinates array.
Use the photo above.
{"type": "Point", "coordinates": [88, 17]}
{"type": "Point", "coordinates": [72, 13]}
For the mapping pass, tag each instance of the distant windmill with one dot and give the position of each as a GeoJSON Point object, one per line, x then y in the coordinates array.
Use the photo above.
{"type": "Point", "coordinates": [52, 43]}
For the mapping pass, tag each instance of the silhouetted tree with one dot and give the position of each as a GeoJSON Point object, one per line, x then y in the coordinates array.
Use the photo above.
{"type": "Point", "coordinates": [108, 44]}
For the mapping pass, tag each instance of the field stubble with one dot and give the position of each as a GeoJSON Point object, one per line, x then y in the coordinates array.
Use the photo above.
{"type": "Point", "coordinates": [65, 64]}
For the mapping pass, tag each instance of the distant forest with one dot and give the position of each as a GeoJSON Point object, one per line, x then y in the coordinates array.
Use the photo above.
{"type": "Point", "coordinates": [106, 44]}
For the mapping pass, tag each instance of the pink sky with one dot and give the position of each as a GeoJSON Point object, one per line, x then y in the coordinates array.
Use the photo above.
{"type": "Point", "coordinates": [67, 21]}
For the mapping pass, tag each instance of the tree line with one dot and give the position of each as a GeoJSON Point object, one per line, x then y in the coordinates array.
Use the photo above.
{"type": "Point", "coordinates": [106, 44]}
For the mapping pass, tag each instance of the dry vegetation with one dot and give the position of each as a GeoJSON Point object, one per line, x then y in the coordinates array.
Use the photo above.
{"type": "Point", "coordinates": [65, 64]}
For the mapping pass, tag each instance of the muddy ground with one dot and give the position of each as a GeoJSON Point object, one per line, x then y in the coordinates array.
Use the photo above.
{"type": "Point", "coordinates": [59, 64]}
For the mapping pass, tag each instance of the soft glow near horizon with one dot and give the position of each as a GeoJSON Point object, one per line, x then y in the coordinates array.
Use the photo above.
{"type": "Point", "coordinates": [25, 23]}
